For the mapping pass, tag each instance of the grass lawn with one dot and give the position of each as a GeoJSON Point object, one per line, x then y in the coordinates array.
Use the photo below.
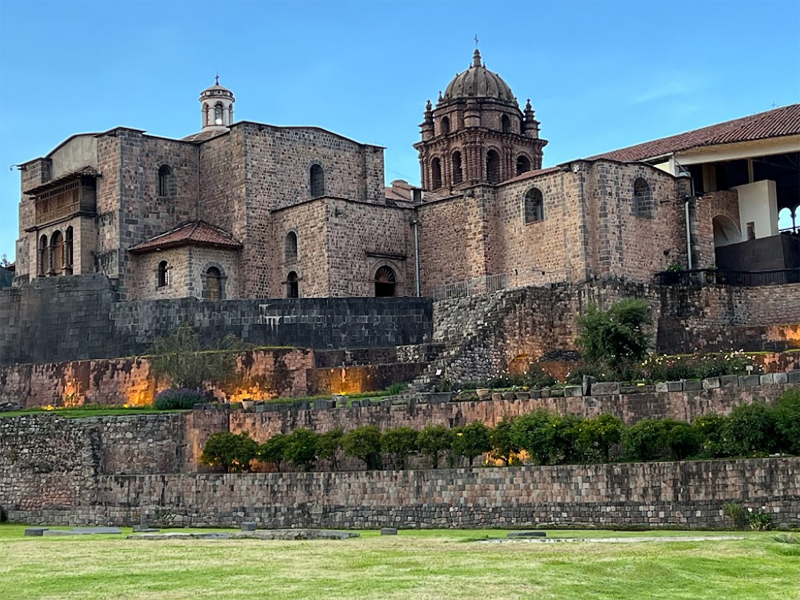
{"type": "Point", "coordinates": [413, 565]}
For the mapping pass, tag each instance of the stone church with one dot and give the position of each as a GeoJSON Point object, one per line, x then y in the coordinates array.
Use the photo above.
{"type": "Point", "coordinates": [251, 210]}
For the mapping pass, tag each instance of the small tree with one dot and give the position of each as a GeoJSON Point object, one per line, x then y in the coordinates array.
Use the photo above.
{"type": "Point", "coordinates": [503, 445]}
{"type": "Point", "coordinates": [787, 421]}
{"type": "Point", "coordinates": [711, 430]}
{"type": "Point", "coordinates": [185, 363]}
{"type": "Point", "coordinates": [328, 446]}
{"type": "Point", "coordinates": [231, 451]}
{"type": "Point", "coordinates": [433, 441]}
{"type": "Point", "coordinates": [751, 429]}
{"type": "Point", "coordinates": [530, 433]}
{"type": "Point", "coordinates": [471, 441]}
{"type": "Point", "coordinates": [596, 437]}
{"type": "Point", "coordinates": [301, 448]}
{"type": "Point", "coordinates": [273, 450]}
{"type": "Point", "coordinates": [682, 439]}
{"type": "Point", "coordinates": [364, 443]}
{"type": "Point", "coordinates": [615, 337]}
{"type": "Point", "coordinates": [645, 440]}
{"type": "Point", "coordinates": [400, 442]}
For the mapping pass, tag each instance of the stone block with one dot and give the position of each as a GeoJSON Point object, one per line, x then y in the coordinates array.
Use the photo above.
{"type": "Point", "coordinates": [586, 384]}
{"type": "Point", "coordinates": [571, 391]}
{"type": "Point", "coordinates": [323, 404]}
{"type": "Point", "coordinates": [440, 397]}
{"type": "Point", "coordinates": [662, 387]}
{"type": "Point", "coordinates": [767, 379]}
{"type": "Point", "coordinates": [692, 386]}
{"type": "Point", "coordinates": [35, 531]}
{"type": "Point", "coordinates": [780, 378]}
{"type": "Point", "coordinates": [522, 395]}
{"type": "Point", "coordinates": [526, 534]}
{"type": "Point", "coordinates": [605, 389]}
{"type": "Point", "coordinates": [388, 531]}
{"type": "Point", "coordinates": [97, 530]}
{"type": "Point", "coordinates": [674, 386]}
{"type": "Point", "coordinates": [792, 377]}
{"type": "Point", "coordinates": [509, 396]}
{"type": "Point", "coordinates": [248, 526]}
{"type": "Point", "coordinates": [749, 380]}
{"type": "Point", "coordinates": [711, 383]}
{"type": "Point", "coordinates": [727, 381]}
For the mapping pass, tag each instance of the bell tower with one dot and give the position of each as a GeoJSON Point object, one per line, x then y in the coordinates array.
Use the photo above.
{"type": "Point", "coordinates": [477, 133]}
{"type": "Point", "coordinates": [216, 107]}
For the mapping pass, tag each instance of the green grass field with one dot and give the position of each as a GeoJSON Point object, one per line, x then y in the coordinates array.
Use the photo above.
{"type": "Point", "coordinates": [413, 565]}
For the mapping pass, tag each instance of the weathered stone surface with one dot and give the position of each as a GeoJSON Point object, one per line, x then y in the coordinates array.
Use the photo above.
{"type": "Point", "coordinates": [98, 530]}
{"type": "Point", "coordinates": [662, 387]}
{"type": "Point", "coordinates": [781, 378]}
{"type": "Point", "coordinates": [749, 381]}
{"type": "Point", "coordinates": [729, 381]}
{"type": "Point", "coordinates": [35, 531]}
{"type": "Point", "coordinates": [692, 386]}
{"type": "Point", "coordinates": [388, 531]}
{"type": "Point", "coordinates": [571, 391]}
{"type": "Point", "coordinates": [526, 534]}
{"type": "Point", "coordinates": [248, 526]}
{"type": "Point", "coordinates": [605, 389]}
{"type": "Point", "coordinates": [711, 383]}
{"type": "Point", "coordinates": [674, 386]}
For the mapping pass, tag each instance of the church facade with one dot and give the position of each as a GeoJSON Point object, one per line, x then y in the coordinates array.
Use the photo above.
{"type": "Point", "coordinates": [250, 210]}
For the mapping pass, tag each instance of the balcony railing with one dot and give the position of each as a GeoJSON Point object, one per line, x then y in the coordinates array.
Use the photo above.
{"type": "Point", "coordinates": [718, 277]}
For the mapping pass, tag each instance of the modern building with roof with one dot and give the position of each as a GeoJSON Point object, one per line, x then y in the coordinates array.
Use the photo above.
{"type": "Point", "coordinates": [251, 210]}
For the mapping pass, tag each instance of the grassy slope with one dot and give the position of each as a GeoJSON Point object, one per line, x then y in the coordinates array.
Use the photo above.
{"type": "Point", "coordinates": [418, 565]}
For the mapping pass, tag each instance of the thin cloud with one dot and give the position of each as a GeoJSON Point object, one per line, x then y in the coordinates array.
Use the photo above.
{"type": "Point", "coordinates": [679, 84]}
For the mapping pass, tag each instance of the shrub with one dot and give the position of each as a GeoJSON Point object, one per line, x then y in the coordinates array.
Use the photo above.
{"type": "Point", "coordinates": [433, 441]}
{"type": "Point", "coordinates": [273, 450]}
{"type": "Point", "coordinates": [751, 429]}
{"type": "Point", "coordinates": [396, 388]}
{"type": "Point", "coordinates": [231, 451]}
{"type": "Point", "coordinates": [787, 421]}
{"type": "Point", "coordinates": [503, 446]}
{"type": "Point", "coordinates": [711, 429]}
{"type": "Point", "coordinates": [181, 359]}
{"type": "Point", "coordinates": [645, 440]}
{"type": "Point", "coordinates": [682, 439]}
{"type": "Point", "coordinates": [399, 442]}
{"type": "Point", "coordinates": [529, 433]}
{"type": "Point", "coordinates": [364, 443]}
{"type": "Point", "coordinates": [737, 514]}
{"type": "Point", "coordinates": [596, 436]}
{"type": "Point", "coordinates": [471, 441]}
{"type": "Point", "coordinates": [615, 337]}
{"type": "Point", "coordinates": [301, 448]}
{"type": "Point", "coordinates": [328, 446]}
{"type": "Point", "coordinates": [179, 399]}
{"type": "Point", "coordinates": [759, 519]}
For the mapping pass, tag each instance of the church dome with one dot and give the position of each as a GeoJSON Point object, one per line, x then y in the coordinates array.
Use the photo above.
{"type": "Point", "coordinates": [478, 82]}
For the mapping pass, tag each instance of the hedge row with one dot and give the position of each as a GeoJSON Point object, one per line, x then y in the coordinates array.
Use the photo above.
{"type": "Point", "coordinates": [540, 437]}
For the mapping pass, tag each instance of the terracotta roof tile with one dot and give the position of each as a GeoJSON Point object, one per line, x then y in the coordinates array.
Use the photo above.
{"type": "Point", "coordinates": [770, 124]}
{"type": "Point", "coordinates": [198, 233]}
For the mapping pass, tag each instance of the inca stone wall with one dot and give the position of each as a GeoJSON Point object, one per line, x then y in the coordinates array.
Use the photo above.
{"type": "Point", "coordinates": [76, 318]}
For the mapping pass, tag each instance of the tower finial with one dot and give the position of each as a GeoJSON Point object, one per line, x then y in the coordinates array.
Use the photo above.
{"type": "Point", "coordinates": [476, 41]}
{"type": "Point", "coordinates": [476, 58]}
{"type": "Point", "coordinates": [216, 79]}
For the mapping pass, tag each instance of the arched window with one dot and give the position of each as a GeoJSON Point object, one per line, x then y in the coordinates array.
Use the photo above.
{"type": "Point", "coordinates": [56, 253]}
{"type": "Point", "coordinates": [292, 285]}
{"type": "Point", "coordinates": [505, 124]}
{"type": "Point", "coordinates": [219, 118]}
{"type": "Point", "coordinates": [788, 219]}
{"type": "Point", "coordinates": [445, 125]}
{"type": "Point", "coordinates": [493, 166]}
{"type": "Point", "coordinates": [164, 181]}
{"type": "Point", "coordinates": [642, 199]}
{"type": "Point", "coordinates": [458, 173]}
{"type": "Point", "coordinates": [523, 164]}
{"type": "Point", "coordinates": [44, 259]}
{"type": "Point", "coordinates": [213, 284]}
{"type": "Point", "coordinates": [385, 282]}
{"type": "Point", "coordinates": [317, 181]}
{"type": "Point", "coordinates": [162, 274]}
{"type": "Point", "coordinates": [68, 253]}
{"type": "Point", "coordinates": [533, 206]}
{"type": "Point", "coordinates": [290, 247]}
{"type": "Point", "coordinates": [436, 173]}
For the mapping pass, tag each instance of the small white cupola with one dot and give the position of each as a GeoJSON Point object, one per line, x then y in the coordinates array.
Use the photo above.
{"type": "Point", "coordinates": [217, 107]}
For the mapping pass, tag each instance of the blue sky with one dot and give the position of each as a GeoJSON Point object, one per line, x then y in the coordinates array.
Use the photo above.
{"type": "Point", "coordinates": [600, 75]}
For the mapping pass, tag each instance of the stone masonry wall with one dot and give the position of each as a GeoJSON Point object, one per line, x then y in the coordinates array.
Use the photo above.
{"type": "Point", "coordinates": [262, 374]}
{"type": "Point", "coordinates": [683, 406]}
{"type": "Point", "coordinates": [656, 495]}
{"type": "Point", "coordinates": [76, 318]}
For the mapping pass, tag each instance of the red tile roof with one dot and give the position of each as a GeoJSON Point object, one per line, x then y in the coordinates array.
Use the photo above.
{"type": "Point", "coordinates": [770, 124]}
{"type": "Point", "coordinates": [197, 233]}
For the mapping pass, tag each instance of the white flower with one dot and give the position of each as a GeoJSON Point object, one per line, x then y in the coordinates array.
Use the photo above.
{"type": "Point", "coordinates": [749, 510]}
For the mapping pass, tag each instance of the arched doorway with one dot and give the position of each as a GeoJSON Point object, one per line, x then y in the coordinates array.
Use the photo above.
{"type": "Point", "coordinates": [726, 232]}
{"type": "Point", "coordinates": [57, 253]}
{"type": "Point", "coordinates": [292, 285]}
{"type": "Point", "coordinates": [385, 282]}
{"type": "Point", "coordinates": [213, 284]}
